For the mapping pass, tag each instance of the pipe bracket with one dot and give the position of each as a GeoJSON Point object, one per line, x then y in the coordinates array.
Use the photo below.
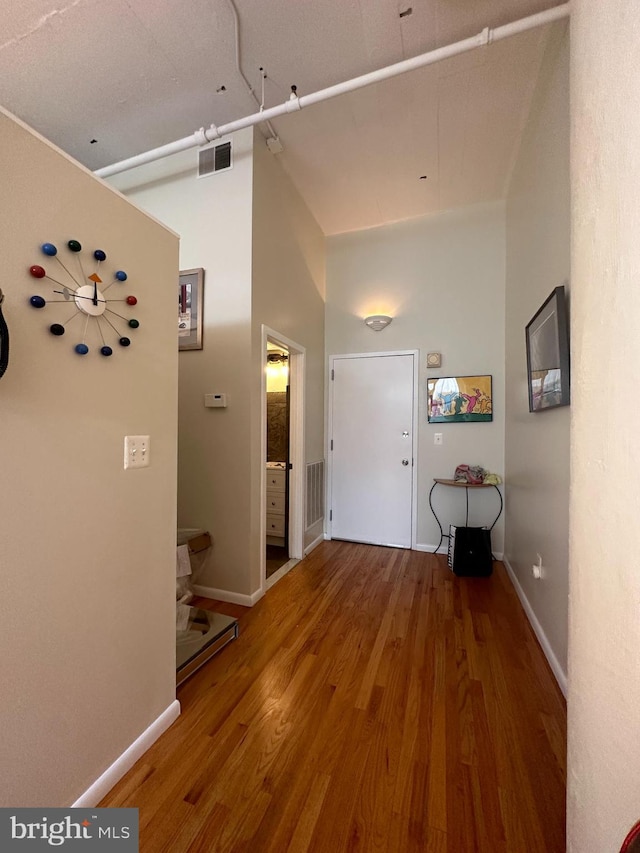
{"type": "Point", "coordinates": [212, 133]}
{"type": "Point", "coordinates": [200, 136]}
{"type": "Point", "coordinates": [293, 104]}
{"type": "Point", "coordinates": [486, 36]}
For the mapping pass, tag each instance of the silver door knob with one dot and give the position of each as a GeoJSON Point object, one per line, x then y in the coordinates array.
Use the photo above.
{"type": "Point", "coordinates": [405, 461]}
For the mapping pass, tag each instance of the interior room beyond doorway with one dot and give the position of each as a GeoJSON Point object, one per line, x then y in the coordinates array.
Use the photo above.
{"type": "Point", "coordinates": [278, 453]}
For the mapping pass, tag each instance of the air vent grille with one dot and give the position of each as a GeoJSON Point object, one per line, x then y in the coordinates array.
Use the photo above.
{"type": "Point", "coordinates": [315, 492]}
{"type": "Point", "coordinates": [216, 158]}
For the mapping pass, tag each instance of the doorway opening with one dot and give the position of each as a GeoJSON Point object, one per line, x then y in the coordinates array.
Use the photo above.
{"type": "Point", "coordinates": [283, 456]}
{"type": "Point", "coordinates": [278, 427]}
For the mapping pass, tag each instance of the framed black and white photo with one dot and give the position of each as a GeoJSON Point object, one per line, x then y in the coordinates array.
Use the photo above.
{"type": "Point", "coordinates": [547, 339]}
{"type": "Point", "coordinates": [190, 292]}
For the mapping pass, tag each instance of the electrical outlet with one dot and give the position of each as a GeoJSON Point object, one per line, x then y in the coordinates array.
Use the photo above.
{"type": "Point", "coordinates": [437, 438]}
{"type": "Point", "coordinates": [136, 451]}
{"type": "Point", "coordinates": [537, 569]}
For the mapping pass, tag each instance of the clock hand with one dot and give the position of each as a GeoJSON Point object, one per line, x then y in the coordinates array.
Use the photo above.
{"type": "Point", "coordinates": [95, 278]}
{"type": "Point", "coordinates": [74, 295]}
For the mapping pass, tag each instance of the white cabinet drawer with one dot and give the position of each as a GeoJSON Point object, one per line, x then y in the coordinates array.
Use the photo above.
{"type": "Point", "coordinates": [275, 525]}
{"type": "Point", "coordinates": [275, 502]}
{"type": "Point", "coordinates": [275, 480]}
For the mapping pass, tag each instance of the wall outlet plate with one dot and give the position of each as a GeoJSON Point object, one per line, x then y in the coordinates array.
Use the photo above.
{"type": "Point", "coordinates": [215, 401]}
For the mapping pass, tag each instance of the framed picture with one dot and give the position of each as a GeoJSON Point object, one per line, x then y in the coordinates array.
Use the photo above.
{"type": "Point", "coordinates": [459, 399]}
{"type": "Point", "coordinates": [547, 338]}
{"type": "Point", "coordinates": [190, 288]}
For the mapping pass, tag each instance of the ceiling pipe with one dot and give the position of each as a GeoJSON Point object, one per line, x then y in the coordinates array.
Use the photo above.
{"type": "Point", "coordinates": [202, 136]}
{"type": "Point", "coordinates": [236, 23]}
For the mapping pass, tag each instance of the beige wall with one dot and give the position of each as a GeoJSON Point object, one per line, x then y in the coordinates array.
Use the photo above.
{"type": "Point", "coordinates": [87, 614]}
{"type": "Point", "coordinates": [288, 290]}
{"type": "Point", "coordinates": [537, 445]}
{"type": "Point", "coordinates": [213, 217]}
{"type": "Point", "coordinates": [604, 623]}
{"type": "Point", "coordinates": [263, 256]}
{"type": "Point", "coordinates": [442, 280]}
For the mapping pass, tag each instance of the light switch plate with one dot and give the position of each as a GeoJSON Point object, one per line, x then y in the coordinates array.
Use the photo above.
{"type": "Point", "coordinates": [136, 451]}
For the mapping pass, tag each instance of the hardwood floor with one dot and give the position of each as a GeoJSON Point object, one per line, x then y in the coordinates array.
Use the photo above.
{"type": "Point", "coordinates": [276, 557]}
{"type": "Point", "coordinates": [372, 702]}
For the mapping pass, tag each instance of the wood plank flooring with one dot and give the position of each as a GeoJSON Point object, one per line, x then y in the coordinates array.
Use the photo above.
{"type": "Point", "coordinates": [372, 702]}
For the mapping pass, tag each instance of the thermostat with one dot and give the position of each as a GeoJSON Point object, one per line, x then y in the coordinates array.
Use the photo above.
{"type": "Point", "coordinates": [434, 359]}
{"type": "Point", "coordinates": [215, 401]}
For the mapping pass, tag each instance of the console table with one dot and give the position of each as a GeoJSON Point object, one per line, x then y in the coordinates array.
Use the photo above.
{"type": "Point", "coordinates": [466, 486]}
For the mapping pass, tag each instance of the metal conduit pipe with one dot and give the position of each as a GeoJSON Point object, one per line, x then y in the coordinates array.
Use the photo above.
{"type": "Point", "coordinates": [236, 23]}
{"type": "Point", "coordinates": [202, 136]}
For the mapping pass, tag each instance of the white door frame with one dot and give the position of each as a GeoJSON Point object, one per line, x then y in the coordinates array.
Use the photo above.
{"type": "Point", "coordinates": [297, 359]}
{"type": "Point", "coordinates": [414, 467]}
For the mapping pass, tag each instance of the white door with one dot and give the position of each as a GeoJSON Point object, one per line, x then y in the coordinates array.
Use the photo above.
{"type": "Point", "coordinates": [372, 449]}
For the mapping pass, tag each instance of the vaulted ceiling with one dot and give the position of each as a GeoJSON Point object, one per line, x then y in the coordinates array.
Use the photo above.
{"type": "Point", "coordinates": [135, 74]}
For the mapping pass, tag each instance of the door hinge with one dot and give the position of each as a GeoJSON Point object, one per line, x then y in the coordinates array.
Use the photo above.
{"type": "Point", "coordinates": [330, 515]}
{"type": "Point", "coordinates": [333, 374]}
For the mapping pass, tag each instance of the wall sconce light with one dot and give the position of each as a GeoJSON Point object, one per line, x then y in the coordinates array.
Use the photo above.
{"type": "Point", "coordinates": [377, 322]}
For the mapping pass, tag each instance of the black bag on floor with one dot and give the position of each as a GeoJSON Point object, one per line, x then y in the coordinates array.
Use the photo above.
{"type": "Point", "coordinates": [470, 551]}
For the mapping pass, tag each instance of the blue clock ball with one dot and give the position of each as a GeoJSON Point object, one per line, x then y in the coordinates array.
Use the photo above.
{"type": "Point", "coordinates": [121, 275]}
{"type": "Point", "coordinates": [106, 350]}
{"type": "Point", "coordinates": [99, 255]}
{"type": "Point", "coordinates": [82, 349]}
{"type": "Point", "coordinates": [49, 249]}
{"type": "Point", "coordinates": [37, 301]}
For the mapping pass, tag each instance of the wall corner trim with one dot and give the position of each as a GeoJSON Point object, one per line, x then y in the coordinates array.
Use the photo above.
{"type": "Point", "coordinates": [554, 663]}
{"type": "Point", "coordinates": [125, 762]}
{"type": "Point", "coordinates": [228, 596]}
{"type": "Point", "coordinates": [314, 544]}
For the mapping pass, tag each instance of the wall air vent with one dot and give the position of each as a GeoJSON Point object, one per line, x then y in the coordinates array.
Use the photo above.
{"type": "Point", "coordinates": [214, 159]}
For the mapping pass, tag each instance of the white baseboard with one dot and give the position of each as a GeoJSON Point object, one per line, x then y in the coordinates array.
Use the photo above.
{"type": "Point", "coordinates": [554, 663]}
{"type": "Point", "coordinates": [228, 596]}
{"type": "Point", "coordinates": [430, 549]}
{"type": "Point", "coordinates": [314, 544]}
{"type": "Point", "coordinates": [125, 762]}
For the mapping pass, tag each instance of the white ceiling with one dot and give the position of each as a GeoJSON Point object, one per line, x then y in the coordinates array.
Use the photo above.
{"type": "Point", "coordinates": [135, 74]}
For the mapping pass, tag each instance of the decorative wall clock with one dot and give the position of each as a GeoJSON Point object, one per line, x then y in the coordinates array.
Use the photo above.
{"type": "Point", "coordinates": [84, 291]}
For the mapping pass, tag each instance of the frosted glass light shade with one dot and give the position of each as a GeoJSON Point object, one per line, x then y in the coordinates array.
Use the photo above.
{"type": "Point", "coordinates": [377, 322]}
